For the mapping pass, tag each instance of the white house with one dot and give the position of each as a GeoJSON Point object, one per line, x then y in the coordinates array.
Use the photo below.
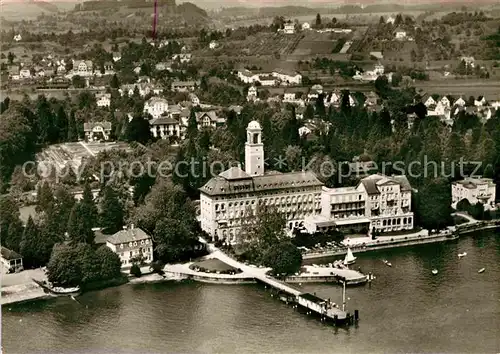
{"type": "Point", "coordinates": [103, 99]}
{"type": "Point", "coordinates": [208, 119]}
{"type": "Point", "coordinates": [194, 99]}
{"type": "Point", "coordinates": [25, 73]}
{"type": "Point", "coordinates": [315, 91]}
{"type": "Point", "coordinates": [184, 86]}
{"type": "Point", "coordinates": [469, 61]}
{"type": "Point", "coordinates": [289, 28]}
{"type": "Point", "coordinates": [131, 244]}
{"type": "Point", "coordinates": [287, 78]}
{"type": "Point", "coordinates": [475, 190]}
{"type": "Point", "coordinates": [429, 101]}
{"type": "Point", "coordinates": [183, 57]}
{"type": "Point", "coordinates": [445, 101]}
{"type": "Point", "coordinates": [480, 101]}
{"type": "Point", "coordinates": [165, 127]}
{"type": "Point", "coordinates": [289, 97]}
{"type": "Point", "coordinates": [400, 34]}
{"type": "Point", "coordinates": [83, 67]}
{"type": "Point", "coordinates": [18, 37]}
{"type": "Point", "coordinates": [390, 20]}
{"type": "Point", "coordinates": [116, 56]}
{"type": "Point", "coordinates": [252, 94]}
{"type": "Point", "coordinates": [97, 130]}
{"type": "Point", "coordinates": [156, 106]}
{"type": "Point", "coordinates": [459, 102]}
{"type": "Point", "coordinates": [306, 26]}
{"type": "Point", "coordinates": [213, 45]}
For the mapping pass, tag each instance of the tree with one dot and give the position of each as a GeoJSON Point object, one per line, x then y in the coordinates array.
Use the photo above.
{"type": "Point", "coordinates": [192, 128]}
{"type": "Point", "coordinates": [284, 258]}
{"type": "Point", "coordinates": [433, 205]}
{"type": "Point", "coordinates": [80, 225]}
{"type": "Point", "coordinates": [72, 128]}
{"type": "Point", "coordinates": [61, 124]}
{"type": "Point", "coordinates": [138, 130]}
{"type": "Point", "coordinates": [135, 270]}
{"type": "Point", "coordinates": [63, 268]}
{"type": "Point", "coordinates": [318, 20]}
{"type": "Point", "coordinates": [32, 248]}
{"type": "Point", "coordinates": [463, 205]}
{"type": "Point", "coordinates": [77, 81]}
{"type": "Point", "coordinates": [114, 83]}
{"type": "Point", "coordinates": [112, 213]}
{"type": "Point", "coordinates": [45, 197]}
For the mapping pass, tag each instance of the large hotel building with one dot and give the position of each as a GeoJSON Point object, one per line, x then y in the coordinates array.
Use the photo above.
{"type": "Point", "coordinates": [229, 199]}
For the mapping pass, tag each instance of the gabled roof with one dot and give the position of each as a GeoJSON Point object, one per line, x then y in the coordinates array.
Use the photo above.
{"type": "Point", "coordinates": [234, 173]}
{"type": "Point", "coordinates": [211, 114]}
{"type": "Point", "coordinates": [129, 235]}
{"type": "Point", "coordinates": [90, 125]}
{"type": "Point", "coordinates": [164, 121]}
{"type": "Point", "coordinates": [372, 182]}
{"type": "Point", "coordinates": [9, 254]}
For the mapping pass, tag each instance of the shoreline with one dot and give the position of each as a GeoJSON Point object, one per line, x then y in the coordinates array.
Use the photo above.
{"type": "Point", "coordinates": [17, 294]}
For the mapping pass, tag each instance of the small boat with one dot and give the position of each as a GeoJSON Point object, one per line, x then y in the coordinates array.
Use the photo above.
{"type": "Point", "coordinates": [481, 270]}
{"type": "Point", "coordinates": [460, 255]}
{"type": "Point", "coordinates": [349, 258]}
{"type": "Point", "coordinates": [387, 263]}
{"type": "Point", "coordinates": [434, 271]}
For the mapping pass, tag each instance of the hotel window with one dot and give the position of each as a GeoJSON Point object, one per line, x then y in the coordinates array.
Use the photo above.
{"type": "Point", "coordinates": [142, 242]}
{"type": "Point", "coordinates": [130, 244]}
{"type": "Point", "coordinates": [121, 245]}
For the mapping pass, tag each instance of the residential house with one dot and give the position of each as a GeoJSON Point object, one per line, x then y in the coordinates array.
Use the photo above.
{"type": "Point", "coordinates": [333, 99]}
{"type": "Point", "coordinates": [289, 28]}
{"type": "Point", "coordinates": [95, 131]}
{"type": "Point", "coordinates": [208, 119]}
{"type": "Point", "coordinates": [184, 86]}
{"type": "Point", "coordinates": [469, 61]}
{"type": "Point", "coordinates": [289, 97]}
{"type": "Point", "coordinates": [162, 66]}
{"type": "Point", "coordinates": [480, 101]}
{"type": "Point", "coordinates": [11, 260]}
{"type": "Point", "coordinates": [459, 102]}
{"type": "Point", "coordinates": [182, 58]}
{"type": "Point", "coordinates": [109, 68]}
{"type": "Point", "coordinates": [18, 37]}
{"type": "Point", "coordinates": [103, 99]}
{"type": "Point", "coordinates": [445, 101]}
{"type": "Point", "coordinates": [83, 67]}
{"type": "Point", "coordinates": [429, 101]}
{"type": "Point", "coordinates": [156, 107]}
{"type": "Point", "coordinates": [194, 99]}
{"type": "Point", "coordinates": [25, 73]}
{"type": "Point", "coordinates": [287, 78]}
{"type": "Point", "coordinates": [475, 190]}
{"type": "Point", "coordinates": [306, 26]}
{"type": "Point", "coordinates": [166, 127]}
{"type": "Point", "coordinates": [371, 99]}
{"type": "Point", "coordinates": [390, 20]}
{"type": "Point", "coordinates": [252, 95]}
{"type": "Point", "coordinates": [400, 34]}
{"type": "Point", "coordinates": [314, 92]}
{"type": "Point", "coordinates": [61, 69]}
{"type": "Point", "coordinates": [117, 56]}
{"type": "Point", "coordinates": [40, 72]}
{"type": "Point", "coordinates": [131, 245]}
{"type": "Point", "coordinates": [213, 45]}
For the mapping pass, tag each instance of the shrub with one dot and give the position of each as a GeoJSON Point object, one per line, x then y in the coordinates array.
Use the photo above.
{"type": "Point", "coordinates": [135, 271]}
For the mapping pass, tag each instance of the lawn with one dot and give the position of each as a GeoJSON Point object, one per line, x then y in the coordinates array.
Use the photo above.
{"type": "Point", "coordinates": [213, 265]}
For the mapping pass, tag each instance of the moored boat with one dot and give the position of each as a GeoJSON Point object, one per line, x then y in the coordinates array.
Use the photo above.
{"type": "Point", "coordinates": [55, 290]}
{"type": "Point", "coordinates": [349, 258]}
{"type": "Point", "coordinates": [460, 255]}
{"type": "Point", "coordinates": [481, 270]}
{"type": "Point", "coordinates": [434, 271]}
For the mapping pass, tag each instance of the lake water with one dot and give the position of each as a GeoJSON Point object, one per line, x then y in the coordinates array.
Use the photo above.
{"type": "Point", "coordinates": [405, 309]}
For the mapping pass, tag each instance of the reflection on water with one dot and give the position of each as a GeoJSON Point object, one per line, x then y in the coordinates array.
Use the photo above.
{"type": "Point", "coordinates": [406, 309]}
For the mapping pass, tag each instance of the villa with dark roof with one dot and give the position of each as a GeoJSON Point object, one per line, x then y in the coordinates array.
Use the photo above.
{"type": "Point", "coordinates": [131, 244]}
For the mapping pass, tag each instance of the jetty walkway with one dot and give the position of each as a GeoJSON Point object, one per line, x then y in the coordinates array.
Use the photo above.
{"type": "Point", "coordinates": [311, 302]}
